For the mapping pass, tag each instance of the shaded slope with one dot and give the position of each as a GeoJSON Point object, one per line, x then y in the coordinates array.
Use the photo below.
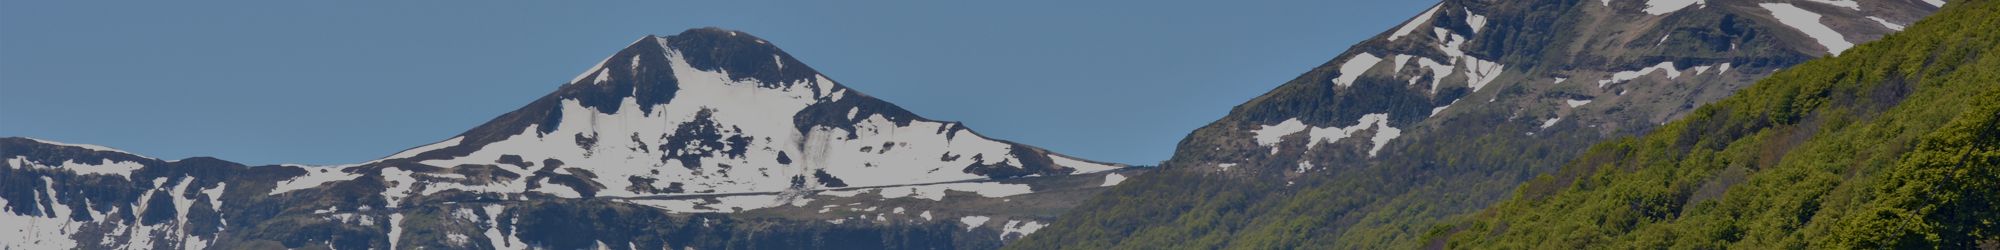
{"type": "Point", "coordinates": [1894, 144]}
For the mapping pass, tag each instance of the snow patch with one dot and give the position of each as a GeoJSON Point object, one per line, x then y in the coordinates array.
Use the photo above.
{"type": "Point", "coordinates": [314, 177]}
{"type": "Point", "coordinates": [1623, 76]}
{"type": "Point", "coordinates": [412, 152]}
{"type": "Point", "coordinates": [1081, 166]}
{"type": "Point", "coordinates": [1886, 24]}
{"type": "Point", "coordinates": [1400, 60]}
{"type": "Point", "coordinates": [1112, 179]}
{"type": "Point", "coordinates": [1438, 71]}
{"type": "Point", "coordinates": [972, 222]}
{"type": "Point", "coordinates": [1661, 7]}
{"type": "Point", "coordinates": [1850, 4]}
{"type": "Point", "coordinates": [1020, 228]}
{"type": "Point", "coordinates": [1481, 72]}
{"type": "Point", "coordinates": [1414, 23]}
{"type": "Point", "coordinates": [1573, 103]}
{"type": "Point", "coordinates": [1269, 135]}
{"type": "Point", "coordinates": [1808, 22]}
{"type": "Point", "coordinates": [1477, 21]}
{"type": "Point", "coordinates": [1354, 67]}
{"type": "Point", "coordinates": [395, 229]}
{"type": "Point", "coordinates": [84, 146]}
{"type": "Point", "coordinates": [102, 167]}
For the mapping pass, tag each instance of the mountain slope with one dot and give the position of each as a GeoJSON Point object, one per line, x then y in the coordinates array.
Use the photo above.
{"type": "Point", "coordinates": [706, 139]}
{"type": "Point", "coordinates": [1445, 113]}
{"type": "Point", "coordinates": [1894, 144]}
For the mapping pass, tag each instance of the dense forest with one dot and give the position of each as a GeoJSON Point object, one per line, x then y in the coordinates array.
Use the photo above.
{"type": "Point", "coordinates": [1894, 144]}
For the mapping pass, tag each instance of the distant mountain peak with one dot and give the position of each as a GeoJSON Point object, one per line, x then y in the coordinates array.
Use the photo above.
{"type": "Point", "coordinates": [710, 132]}
{"type": "Point", "coordinates": [724, 111]}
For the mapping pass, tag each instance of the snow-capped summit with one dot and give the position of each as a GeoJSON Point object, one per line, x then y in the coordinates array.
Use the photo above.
{"type": "Point", "coordinates": [671, 142]}
{"type": "Point", "coordinates": [719, 111]}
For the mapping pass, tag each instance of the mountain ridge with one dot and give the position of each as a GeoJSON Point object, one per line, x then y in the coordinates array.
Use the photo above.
{"type": "Point", "coordinates": [1442, 114]}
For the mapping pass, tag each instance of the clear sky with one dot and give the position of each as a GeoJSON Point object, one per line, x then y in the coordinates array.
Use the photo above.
{"type": "Point", "coordinates": [330, 82]}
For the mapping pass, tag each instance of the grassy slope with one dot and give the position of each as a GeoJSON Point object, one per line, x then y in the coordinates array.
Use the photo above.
{"type": "Point", "coordinates": [1892, 144]}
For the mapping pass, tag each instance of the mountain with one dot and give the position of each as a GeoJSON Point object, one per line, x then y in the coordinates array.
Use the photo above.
{"type": "Point", "coordinates": [707, 139]}
{"type": "Point", "coordinates": [1894, 144]}
{"type": "Point", "coordinates": [1445, 114]}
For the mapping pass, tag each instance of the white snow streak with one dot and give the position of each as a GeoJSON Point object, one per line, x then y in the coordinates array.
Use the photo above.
{"type": "Point", "coordinates": [1112, 179]}
{"type": "Point", "coordinates": [972, 222]}
{"type": "Point", "coordinates": [1020, 228]}
{"type": "Point", "coordinates": [1414, 23]}
{"type": "Point", "coordinates": [1808, 22]}
{"type": "Point", "coordinates": [1886, 24]}
{"type": "Point", "coordinates": [1660, 7]}
{"type": "Point", "coordinates": [1477, 21]}
{"type": "Point", "coordinates": [1352, 69]}
{"type": "Point", "coordinates": [1573, 103]}
{"type": "Point", "coordinates": [1850, 4]}
{"type": "Point", "coordinates": [1623, 76]}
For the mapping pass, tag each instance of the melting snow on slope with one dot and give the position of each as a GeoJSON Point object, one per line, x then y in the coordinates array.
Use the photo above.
{"type": "Point", "coordinates": [1573, 103]}
{"type": "Point", "coordinates": [1081, 166]}
{"type": "Point", "coordinates": [1851, 4]}
{"type": "Point", "coordinates": [50, 231]}
{"type": "Point", "coordinates": [1112, 179]}
{"type": "Point", "coordinates": [1414, 23]}
{"type": "Point", "coordinates": [395, 229]}
{"type": "Point", "coordinates": [1808, 22]}
{"type": "Point", "coordinates": [937, 192]}
{"type": "Point", "coordinates": [1438, 71]}
{"type": "Point", "coordinates": [314, 177]}
{"type": "Point", "coordinates": [1480, 72]}
{"type": "Point", "coordinates": [1551, 122]}
{"type": "Point", "coordinates": [84, 146]}
{"type": "Point", "coordinates": [1400, 60]}
{"type": "Point", "coordinates": [1623, 76]}
{"type": "Point", "coordinates": [1886, 24]}
{"type": "Point", "coordinates": [1475, 20]}
{"type": "Point", "coordinates": [1660, 7]}
{"type": "Point", "coordinates": [102, 167]}
{"type": "Point", "coordinates": [1020, 228]}
{"type": "Point", "coordinates": [412, 152]}
{"type": "Point", "coordinates": [972, 222]}
{"type": "Point", "coordinates": [723, 204]}
{"type": "Point", "coordinates": [1440, 109]}
{"type": "Point", "coordinates": [1352, 69]}
{"type": "Point", "coordinates": [1271, 135]}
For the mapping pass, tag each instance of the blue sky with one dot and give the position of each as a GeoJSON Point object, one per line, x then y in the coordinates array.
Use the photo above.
{"type": "Point", "coordinates": [329, 82]}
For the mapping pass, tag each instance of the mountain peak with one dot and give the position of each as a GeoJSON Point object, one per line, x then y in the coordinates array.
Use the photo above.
{"type": "Point", "coordinates": [718, 110]}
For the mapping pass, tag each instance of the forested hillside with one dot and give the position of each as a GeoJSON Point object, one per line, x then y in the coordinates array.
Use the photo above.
{"type": "Point", "coordinates": [1893, 144]}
